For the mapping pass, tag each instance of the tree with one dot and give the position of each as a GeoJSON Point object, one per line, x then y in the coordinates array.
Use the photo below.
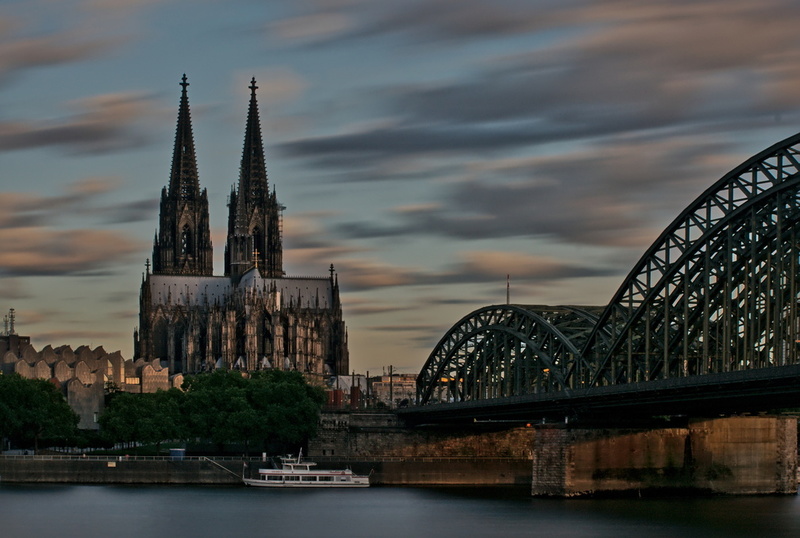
{"type": "Point", "coordinates": [218, 409]}
{"type": "Point", "coordinates": [222, 406]}
{"type": "Point", "coordinates": [144, 418]}
{"type": "Point", "coordinates": [270, 406]}
{"type": "Point", "coordinates": [288, 406]}
{"type": "Point", "coordinates": [34, 409]}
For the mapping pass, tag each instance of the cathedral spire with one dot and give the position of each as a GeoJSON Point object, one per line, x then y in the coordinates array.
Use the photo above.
{"type": "Point", "coordinates": [182, 245]}
{"type": "Point", "coordinates": [183, 182]}
{"type": "Point", "coordinates": [253, 171]}
{"type": "Point", "coordinates": [254, 219]}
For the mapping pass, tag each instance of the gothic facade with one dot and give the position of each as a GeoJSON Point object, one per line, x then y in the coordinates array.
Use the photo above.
{"type": "Point", "coordinates": [252, 317]}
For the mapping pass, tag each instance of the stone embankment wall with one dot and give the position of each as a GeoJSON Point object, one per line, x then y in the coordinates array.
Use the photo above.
{"type": "Point", "coordinates": [734, 455]}
{"type": "Point", "coordinates": [102, 470]}
{"type": "Point", "coordinates": [356, 435]}
{"type": "Point", "coordinates": [380, 444]}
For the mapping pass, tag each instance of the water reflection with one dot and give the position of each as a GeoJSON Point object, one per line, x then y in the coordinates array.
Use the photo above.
{"type": "Point", "coordinates": [81, 511]}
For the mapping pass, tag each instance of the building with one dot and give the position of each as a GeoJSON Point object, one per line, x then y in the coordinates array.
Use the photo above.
{"type": "Point", "coordinates": [84, 375]}
{"type": "Point", "coordinates": [393, 390]}
{"type": "Point", "coordinates": [252, 317]}
{"type": "Point", "coordinates": [9, 339]}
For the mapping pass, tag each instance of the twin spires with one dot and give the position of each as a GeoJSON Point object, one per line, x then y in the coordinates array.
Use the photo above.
{"type": "Point", "coordinates": [182, 245]}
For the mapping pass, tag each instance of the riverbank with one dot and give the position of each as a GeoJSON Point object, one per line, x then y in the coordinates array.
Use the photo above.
{"type": "Point", "coordinates": [228, 471]}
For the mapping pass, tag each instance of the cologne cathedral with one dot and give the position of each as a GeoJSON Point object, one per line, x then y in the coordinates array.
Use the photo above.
{"type": "Point", "coordinates": [254, 317]}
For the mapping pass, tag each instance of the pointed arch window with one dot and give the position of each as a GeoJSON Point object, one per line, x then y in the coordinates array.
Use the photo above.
{"type": "Point", "coordinates": [186, 241]}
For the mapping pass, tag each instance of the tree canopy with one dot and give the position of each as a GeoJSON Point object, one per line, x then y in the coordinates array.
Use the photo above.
{"type": "Point", "coordinates": [32, 410]}
{"type": "Point", "coordinates": [270, 407]}
{"type": "Point", "coordinates": [143, 418]}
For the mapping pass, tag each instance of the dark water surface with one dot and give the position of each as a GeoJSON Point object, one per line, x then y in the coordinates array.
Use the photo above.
{"type": "Point", "coordinates": [156, 512]}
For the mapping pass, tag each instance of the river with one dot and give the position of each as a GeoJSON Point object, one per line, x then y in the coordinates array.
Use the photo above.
{"type": "Point", "coordinates": [173, 512]}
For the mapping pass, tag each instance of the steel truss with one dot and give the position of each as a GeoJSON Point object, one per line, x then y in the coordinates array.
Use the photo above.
{"type": "Point", "coordinates": [717, 292]}
{"type": "Point", "coordinates": [505, 350]}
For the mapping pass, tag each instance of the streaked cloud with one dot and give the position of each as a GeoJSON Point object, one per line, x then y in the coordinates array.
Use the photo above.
{"type": "Point", "coordinates": [311, 28]}
{"type": "Point", "coordinates": [83, 198]}
{"type": "Point", "coordinates": [103, 124]}
{"type": "Point", "coordinates": [46, 252]}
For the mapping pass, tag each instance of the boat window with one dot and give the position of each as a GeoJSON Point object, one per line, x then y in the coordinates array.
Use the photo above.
{"type": "Point", "coordinates": [292, 478]}
{"type": "Point", "coordinates": [326, 479]}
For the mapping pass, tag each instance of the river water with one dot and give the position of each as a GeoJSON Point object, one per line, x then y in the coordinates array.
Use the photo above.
{"type": "Point", "coordinates": [155, 512]}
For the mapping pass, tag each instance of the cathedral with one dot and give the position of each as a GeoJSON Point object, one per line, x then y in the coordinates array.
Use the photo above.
{"type": "Point", "coordinates": [254, 316]}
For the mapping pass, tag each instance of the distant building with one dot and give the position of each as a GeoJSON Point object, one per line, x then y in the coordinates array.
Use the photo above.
{"type": "Point", "coordinates": [394, 390]}
{"type": "Point", "coordinates": [84, 374]}
{"type": "Point", "coordinates": [9, 339]}
{"type": "Point", "coordinates": [254, 316]}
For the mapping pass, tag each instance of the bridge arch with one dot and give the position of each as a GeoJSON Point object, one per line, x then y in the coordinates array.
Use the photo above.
{"type": "Point", "coordinates": [505, 350]}
{"type": "Point", "coordinates": [718, 290]}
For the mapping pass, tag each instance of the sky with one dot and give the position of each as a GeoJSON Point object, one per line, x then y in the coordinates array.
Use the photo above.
{"type": "Point", "coordinates": [427, 149]}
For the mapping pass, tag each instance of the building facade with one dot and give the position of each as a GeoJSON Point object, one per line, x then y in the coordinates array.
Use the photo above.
{"type": "Point", "coordinates": [253, 316]}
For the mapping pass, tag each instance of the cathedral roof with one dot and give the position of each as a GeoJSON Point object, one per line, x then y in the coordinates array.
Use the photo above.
{"type": "Point", "coordinates": [298, 292]}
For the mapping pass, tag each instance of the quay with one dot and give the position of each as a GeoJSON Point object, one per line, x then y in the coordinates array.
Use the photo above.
{"type": "Point", "coordinates": [201, 470]}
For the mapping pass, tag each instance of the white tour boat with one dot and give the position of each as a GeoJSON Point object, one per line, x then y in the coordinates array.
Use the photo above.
{"type": "Point", "coordinates": [295, 473]}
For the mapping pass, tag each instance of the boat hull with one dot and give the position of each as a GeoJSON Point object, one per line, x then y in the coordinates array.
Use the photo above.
{"type": "Point", "coordinates": [357, 482]}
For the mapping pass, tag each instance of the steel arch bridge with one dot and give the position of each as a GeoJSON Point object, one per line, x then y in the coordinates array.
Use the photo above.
{"type": "Point", "coordinates": [716, 293]}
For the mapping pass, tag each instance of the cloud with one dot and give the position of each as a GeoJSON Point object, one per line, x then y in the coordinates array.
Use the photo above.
{"type": "Point", "coordinates": [105, 123]}
{"type": "Point", "coordinates": [619, 194]}
{"type": "Point", "coordinates": [30, 42]}
{"type": "Point", "coordinates": [358, 274]}
{"type": "Point", "coordinates": [127, 212]}
{"type": "Point", "coordinates": [418, 21]}
{"type": "Point", "coordinates": [623, 69]}
{"type": "Point", "coordinates": [33, 241]}
{"type": "Point", "coordinates": [40, 252]}
{"type": "Point", "coordinates": [52, 50]}
{"type": "Point", "coordinates": [118, 5]}
{"type": "Point", "coordinates": [13, 289]}
{"type": "Point", "coordinates": [310, 28]}
{"type": "Point", "coordinates": [25, 210]}
{"type": "Point", "coordinates": [276, 86]}
{"type": "Point", "coordinates": [493, 266]}
{"type": "Point", "coordinates": [75, 338]}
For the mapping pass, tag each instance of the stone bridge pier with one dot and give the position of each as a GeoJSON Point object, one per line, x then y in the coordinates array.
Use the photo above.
{"type": "Point", "coordinates": [732, 455]}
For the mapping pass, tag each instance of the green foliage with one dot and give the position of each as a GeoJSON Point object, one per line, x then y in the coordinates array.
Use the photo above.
{"type": "Point", "coordinates": [223, 406]}
{"type": "Point", "coordinates": [288, 406]}
{"type": "Point", "coordinates": [217, 408]}
{"type": "Point", "coordinates": [143, 418]}
{"type": "Point", "coordinates": [34, 409]}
